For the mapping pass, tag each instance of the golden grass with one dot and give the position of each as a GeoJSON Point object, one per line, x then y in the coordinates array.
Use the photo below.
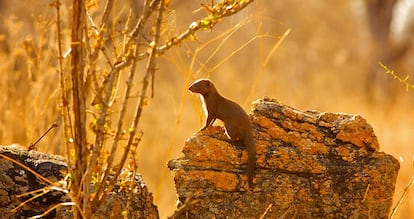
{"type": "Point", "coordinates": [316, 66]}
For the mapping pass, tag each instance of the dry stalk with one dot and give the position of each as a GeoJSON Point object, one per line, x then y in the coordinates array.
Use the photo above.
{"type": "Point", "coordinates": [266, 211]}
{"type": "Point", "coordinates": [32, 146]}
{"type": "Point", "coordinates": [103, 189]}
{"type": "Point", "coordinates": [64, 105]}
{"type": "Point", "coordinates": [187, 204]}
{"type": "Point", "coordinates": [396, 77]}
{"type": "Point", "coordinates": [406, 189]}
{"type": "Point", "coordinates": [80, 139]}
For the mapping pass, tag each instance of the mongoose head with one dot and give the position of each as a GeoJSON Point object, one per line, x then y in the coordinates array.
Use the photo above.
{"type": "Point", "coordinates": [202, 86]}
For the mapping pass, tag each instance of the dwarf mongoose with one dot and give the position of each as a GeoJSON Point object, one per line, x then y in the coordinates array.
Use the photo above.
{"type": "Point", "coordinates": [236, 121]}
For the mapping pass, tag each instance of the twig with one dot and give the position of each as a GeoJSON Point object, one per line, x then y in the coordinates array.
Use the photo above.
{"type": "Point", "coordinates": [366, 193]}
{"type": "Point", "coordinates": [276, 46]}
{"type": "Point", "coordinates": [187, 203]}
{"type": "Point", "coordinates": [67, 124]}
{"type": "Point", "coordinates": [134, 174]}
{"type": "Point", "coordinates": [226, 35]}
{"type": "Point", "coordinates": [264, 65]}
{"type": "Point", "coordinates": [265, 212]}
{"type": "Point", "coordinates": [77, 66]}
{"type": "Point", "coordinates": [398, 78]}
{"type": "Point", "coordinates": [45, 191]}
{"type": "Point", "coordinates": [220, 10]}
{"type": "Point", "coordinates": [56, 206]}
{"type": "Point", "coordinates": [33, 145]}
{"type": "Point", "coordinates": [405, 192]}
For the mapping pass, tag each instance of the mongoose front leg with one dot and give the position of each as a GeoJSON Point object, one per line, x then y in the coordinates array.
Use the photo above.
{"type": "Point", "coordinates": [210, 120]}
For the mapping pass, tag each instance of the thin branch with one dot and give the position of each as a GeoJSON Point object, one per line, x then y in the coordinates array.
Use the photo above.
{"type": "Point", "coordinates": [67, 124]}
{"type": "Point", "coordinates": [392, 73]}
{"type": "Point", "coordinates": [32, 146]}
{"type": "Point", "coordinates": [223, 60]}
{"type": "Point", "coordinates": [264, 65]}
{"type": "Point", "coordinates": [187, 204]}
{"type": "Point", "coordinates": [108, 8]}
{"type": "Point", "coordinates": [266, 211]}
{"type": "Point", "coordinates": [29, 200]}
{"type": "Point", "coordinates": [55, 207]}
{"type": "Point", "coordinates": [218, 12]}
{"type": "Point", "coordinates": [227, 35]}
{"type": "Point", "coordinates": [275, 47]}
{"type": "Point", "coordinates": [77, 71]}
{"type": "Point", "coordinates": [406, 189]}
{"type": "Point", "coordinates": [100, 194]}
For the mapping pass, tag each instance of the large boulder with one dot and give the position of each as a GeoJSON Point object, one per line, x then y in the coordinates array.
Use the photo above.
{"type": "Point", "coordinates": [309, 165]}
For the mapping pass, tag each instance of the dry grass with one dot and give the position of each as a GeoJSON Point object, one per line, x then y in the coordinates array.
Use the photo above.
{"type": "Point", "coordinates": [322, 64]}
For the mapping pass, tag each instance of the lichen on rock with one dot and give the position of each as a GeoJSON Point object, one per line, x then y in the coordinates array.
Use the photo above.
{"type": "Point", "coordinates": [16, 182]}
{"type": "Point", "coordinates": [309, 165]}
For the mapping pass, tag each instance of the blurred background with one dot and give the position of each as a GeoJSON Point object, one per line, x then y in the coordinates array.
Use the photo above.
{"type": "Point", "coordinates": [327, 61]}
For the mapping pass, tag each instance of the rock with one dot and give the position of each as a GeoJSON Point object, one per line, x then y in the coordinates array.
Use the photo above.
{"type": "Point", "coordinates": [309, 165]}
{"type": "Point", "coordinates": [16, 182]}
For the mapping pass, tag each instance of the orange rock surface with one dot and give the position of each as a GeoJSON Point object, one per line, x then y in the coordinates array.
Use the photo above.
{"type": "Point", "coordinates": [309, 165]}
